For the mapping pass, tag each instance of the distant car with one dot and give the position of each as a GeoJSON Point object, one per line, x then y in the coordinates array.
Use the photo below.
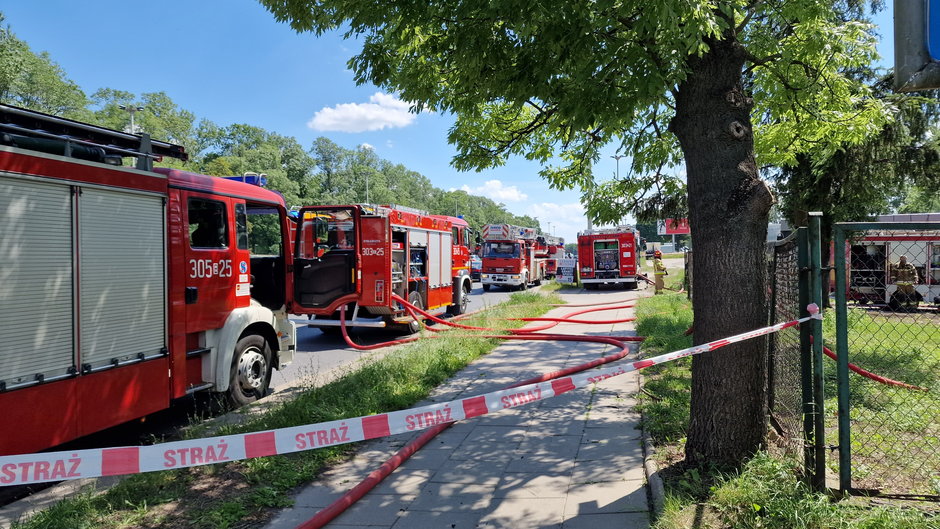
{"type": "Point", "coordinates": [476, 267]}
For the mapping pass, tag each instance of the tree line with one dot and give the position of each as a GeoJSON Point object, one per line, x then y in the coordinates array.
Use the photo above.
{"type": "Point", "coordinates": [323, 173]}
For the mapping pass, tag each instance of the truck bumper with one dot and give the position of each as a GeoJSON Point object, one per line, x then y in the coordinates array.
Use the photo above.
{"type": "Point", "coordinates": [513, 280]}
{"type": "Point", "coordinates": [610, 280]}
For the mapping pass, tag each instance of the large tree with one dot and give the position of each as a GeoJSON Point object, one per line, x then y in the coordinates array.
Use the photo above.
{"type": "Point", "coordinates": [665, 81]}
{"type": "Point", "coordinates": [872, 177]}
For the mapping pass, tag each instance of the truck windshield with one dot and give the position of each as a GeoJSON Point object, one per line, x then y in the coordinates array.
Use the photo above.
{"type": "Point", "coordinates": [501, 249]}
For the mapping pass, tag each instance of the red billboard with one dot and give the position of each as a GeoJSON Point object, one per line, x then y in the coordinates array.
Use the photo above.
{"type": "Point", "coordinates": [672, 227]}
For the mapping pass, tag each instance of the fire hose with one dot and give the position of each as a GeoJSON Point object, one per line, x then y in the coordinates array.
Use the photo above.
{"type": "Point", "coordinates": [868, 374]}
{"type": "Point", "coordinates": [376, 476]}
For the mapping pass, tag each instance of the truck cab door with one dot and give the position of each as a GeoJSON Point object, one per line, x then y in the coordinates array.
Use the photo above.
{"type": "Point", "coordinates": [210, 260]}
{"type": "Point", "coordinates": [325, 257]}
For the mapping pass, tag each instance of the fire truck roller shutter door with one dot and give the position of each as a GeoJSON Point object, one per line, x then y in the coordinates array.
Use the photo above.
{"type": "Point", "coordinates": [37, 280]}
{"type": "Point", "coordinates": [434, 259]}
{"type": "Point", "coordinates": [122, 290]}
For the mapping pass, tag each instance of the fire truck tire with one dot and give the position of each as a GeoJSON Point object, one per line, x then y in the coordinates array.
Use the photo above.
{"type": "Point", "coordinates": [486, 287]}
{"type": "Point", "coordinates": [415, 299]}
{"type": "Point", "coordinates": [251, 370]}
{"type": "Point", "coordinates": [460, 304]}
{"type": "Point", "coordinates": [525, 282]}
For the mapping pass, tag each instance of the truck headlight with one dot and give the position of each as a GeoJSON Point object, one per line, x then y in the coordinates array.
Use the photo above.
{"type": "Point", "coordinates": [516, 277]}
{"type": "Point", "coordinates": [485, 276]}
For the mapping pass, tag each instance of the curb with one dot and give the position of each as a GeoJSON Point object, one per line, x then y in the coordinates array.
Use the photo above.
{"type": "Point", "coordinates": [651, 468]}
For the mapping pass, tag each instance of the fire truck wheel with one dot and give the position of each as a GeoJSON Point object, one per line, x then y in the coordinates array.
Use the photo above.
{"type": "Point", "coordinates": [415, 299]}
{"type": "Point", "coordinates": [486, 287]}
{"type": "Point", "coordinates": [460, 304]}
{"type": "Point", "coordinates": [525, 282]}
{"type": "Point", "coordinates": [251, 370]}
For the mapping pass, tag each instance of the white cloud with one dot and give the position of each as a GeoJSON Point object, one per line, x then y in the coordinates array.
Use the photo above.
{"type": "Point", "coordinates": [382, 111]}
{"type": "Point", "coordinates": [494, 189]}
{"type": "Point", "coordinates": [566, 220]}
{"type": "Point", "coordinates": [367, 146]}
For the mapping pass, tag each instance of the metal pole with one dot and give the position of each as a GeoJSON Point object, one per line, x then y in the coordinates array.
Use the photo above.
{"type": "Point", "coordinates": [819, 394]}
{"type": "Point", "coordinates": [842, 363]}
{"type": "Point", "coordinates": [618, 157]}
{"type": "Point", "coordinates": [806, 354]}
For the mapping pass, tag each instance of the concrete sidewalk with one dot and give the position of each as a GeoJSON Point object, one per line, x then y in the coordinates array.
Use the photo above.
{"type": "Point", "coordinates": [571, 461]}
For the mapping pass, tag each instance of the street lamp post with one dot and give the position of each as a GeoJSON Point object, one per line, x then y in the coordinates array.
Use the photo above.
{"type": "Point", "coordinates": [618, 157]}
{"type": "Point", "coordinates": [131, 110]}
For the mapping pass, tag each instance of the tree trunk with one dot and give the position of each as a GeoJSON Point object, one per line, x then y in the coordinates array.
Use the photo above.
{"type": "Point", "coordinates": [728, 213]}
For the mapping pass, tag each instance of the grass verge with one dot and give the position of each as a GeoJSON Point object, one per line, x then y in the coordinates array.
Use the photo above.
{"type": "Point", "coordinates": [895, 431]}
{"type": "Point", "coordinates": [241, 494]}
{"type": "Point", "coordinates": [765, 493]}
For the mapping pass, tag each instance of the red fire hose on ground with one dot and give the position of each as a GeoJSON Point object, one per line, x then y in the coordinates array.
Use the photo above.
{"type": "Point", "coordinates": [375, 477]}
{"type": "Point", "coordinates": [877, 378]}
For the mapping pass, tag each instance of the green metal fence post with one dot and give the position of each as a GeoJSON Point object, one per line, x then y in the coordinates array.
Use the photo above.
{"type": "Point", "coordinates": [842, 362]}
{"type": "Point", "coordinates": [819, 394]}
{"type": "Point", "coordinates": [806, 355]}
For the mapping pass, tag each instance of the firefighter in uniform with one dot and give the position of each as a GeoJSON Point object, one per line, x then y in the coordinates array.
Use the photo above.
{"type": "Point", "coordinates": [904, 275]}
{"type": "Point", "coordinates": [659, 270]}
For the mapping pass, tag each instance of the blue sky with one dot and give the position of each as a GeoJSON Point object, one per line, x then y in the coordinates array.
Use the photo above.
{"type": "Point", "coordinates": [229, 61]}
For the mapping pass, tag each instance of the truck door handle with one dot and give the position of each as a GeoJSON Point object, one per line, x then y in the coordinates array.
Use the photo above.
{"type": "Point", "coordinates": [192, 295]}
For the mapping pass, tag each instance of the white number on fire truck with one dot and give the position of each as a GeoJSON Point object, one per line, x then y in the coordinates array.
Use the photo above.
{"type": "Point", "coordinates": [207, 268]}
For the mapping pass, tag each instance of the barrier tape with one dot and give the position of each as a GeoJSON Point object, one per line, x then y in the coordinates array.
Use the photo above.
{"type": "Point", "coordinates": [66, 465]}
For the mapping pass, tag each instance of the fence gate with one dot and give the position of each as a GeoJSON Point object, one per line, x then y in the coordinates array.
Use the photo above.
{"type": "Point", "coordinates": [887, 321]}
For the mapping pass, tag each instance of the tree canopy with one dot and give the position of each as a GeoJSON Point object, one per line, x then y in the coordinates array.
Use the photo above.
{"type": "Point", "coordinates": [724, 87]}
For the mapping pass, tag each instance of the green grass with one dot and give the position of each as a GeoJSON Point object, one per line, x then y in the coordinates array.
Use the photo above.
{"type": "Point", "coordinates": [239, 493]}
{"type": "Point", "coordinates": [895, 431]}
{"type": "Point", "coordinates": [765, 493]}
{"type": "Point", "coordinates": [664, 403]}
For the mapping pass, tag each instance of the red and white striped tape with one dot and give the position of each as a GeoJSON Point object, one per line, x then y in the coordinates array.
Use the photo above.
{"type": "Point", "coordinates": [59, 466]}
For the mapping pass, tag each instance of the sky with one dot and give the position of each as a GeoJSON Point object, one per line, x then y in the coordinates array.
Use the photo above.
{"type": "Point", "coordinates": [229, 61]}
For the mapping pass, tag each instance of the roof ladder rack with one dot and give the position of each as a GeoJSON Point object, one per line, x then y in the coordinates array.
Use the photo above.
{"type": "Point", "coordinates": [34, 130]}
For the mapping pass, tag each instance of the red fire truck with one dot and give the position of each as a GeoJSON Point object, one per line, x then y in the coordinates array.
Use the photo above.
{"type": "Point", "coordinates": [872, 255]}
{"type": "Point", "coordinates": [357, 256]}
{"type": "Point", "coordinates": [552, 249]}
{"type": "Point", "coordinates": [124, 288]}
{"type": "Point", "coordinates": [510, 256]}
{"type": "Point", "coordinates": [609, 255]}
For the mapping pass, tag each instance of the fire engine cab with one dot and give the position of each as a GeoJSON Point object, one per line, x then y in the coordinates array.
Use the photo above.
{"type": "Point", "coordinates": [511, 256]}
{"type": "Point", "coordinates": [357, 256]}
{"type": "Point", "coordinates": [126, 287]}
{"type": "Point", "coordinates": [609, 255]}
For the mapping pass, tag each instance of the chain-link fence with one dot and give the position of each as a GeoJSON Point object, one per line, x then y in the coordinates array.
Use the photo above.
{"type": "Point", "coordinates": [785, 400]}
{"type": "Point", "coordinates": [892, 328]}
